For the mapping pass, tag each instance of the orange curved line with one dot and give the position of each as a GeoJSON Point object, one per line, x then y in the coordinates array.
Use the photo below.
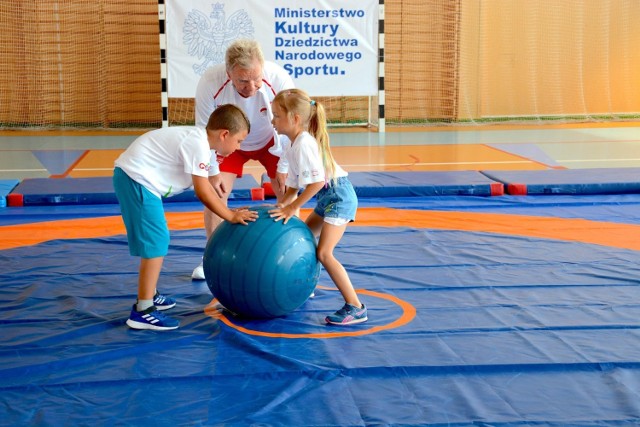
{"type": "Point", "coordinates": [408, 314]}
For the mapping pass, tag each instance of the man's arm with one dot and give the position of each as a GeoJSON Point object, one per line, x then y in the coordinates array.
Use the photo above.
{"type": "Point", "coordinates": [204, 103]}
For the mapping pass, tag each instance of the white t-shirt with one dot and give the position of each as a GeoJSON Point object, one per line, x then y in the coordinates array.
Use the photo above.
{"type": "Point", "coordinates": [163, 160]}
{"type": "Point", "coordinates": [305, 163]}
{"type": "Point", "coordinates": [215, 89]}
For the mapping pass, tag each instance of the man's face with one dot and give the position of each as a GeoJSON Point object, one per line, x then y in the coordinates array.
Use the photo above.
{"type": "Point", "coordinates": [247, 81]}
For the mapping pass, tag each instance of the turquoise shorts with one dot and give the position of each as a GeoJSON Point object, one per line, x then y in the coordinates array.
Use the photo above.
{"type": "Point", "coordinates": [337, 201]}
{"type": "Point", "coordinates": [143, 216]}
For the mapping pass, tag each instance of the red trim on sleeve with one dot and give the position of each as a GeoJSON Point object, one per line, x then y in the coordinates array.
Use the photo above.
{"type": "Point", "coordinates": [221, 87]}
{"type": "Point", "coordinates": [270, 87]}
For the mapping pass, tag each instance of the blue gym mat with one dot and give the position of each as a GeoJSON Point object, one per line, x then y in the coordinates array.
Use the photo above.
{"type": "Point", "coordinates": [509, 330]}
{"type": "Point", "coordinates": [73, 191]}
{"type": "Point", "coordinates": [569, 181]}
{"type": "Point", "coordinates": [99, 190]}
{"type": "Point", "coordinates": [409, 183]}
{"type": "Point", "coordinates": [6, 185]}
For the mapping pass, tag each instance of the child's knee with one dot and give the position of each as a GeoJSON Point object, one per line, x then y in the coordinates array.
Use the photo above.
{"type": "Point", "coordinates": [324, 256]}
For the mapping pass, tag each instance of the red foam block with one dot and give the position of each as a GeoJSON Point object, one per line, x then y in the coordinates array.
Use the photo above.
{"type": "Point", "coordinates": [517, 189]}
{"type": "Point", "coordinates": [15, 199]}
{"type": "Point", "coordinates": [257, 193]}
{"type": "Point", "coordinates": [268, 189]}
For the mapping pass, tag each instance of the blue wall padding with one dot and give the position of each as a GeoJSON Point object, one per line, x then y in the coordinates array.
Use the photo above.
{"type": "Point", "coordinates": [6, 185]}
{"type": "Point", "coordinates": [99, 190]}
{"type": "Point", "coordinates": [423, 183]}
{"type": "Point", "coordinates": [571, 181]}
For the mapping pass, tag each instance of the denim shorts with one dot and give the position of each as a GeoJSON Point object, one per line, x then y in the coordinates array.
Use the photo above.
{"type": "Point", "coordinates": [337, 200]}
{"type": "Point", "coordinates": [143, 216]}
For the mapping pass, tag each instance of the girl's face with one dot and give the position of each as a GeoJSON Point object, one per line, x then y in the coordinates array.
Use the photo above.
{"type": "Point", "coordinates": [281, 121]}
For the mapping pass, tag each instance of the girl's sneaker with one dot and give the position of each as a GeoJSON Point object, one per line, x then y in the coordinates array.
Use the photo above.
{"type": "Point", "coordinates": [348, 315]}
{"type": "Point", "coordinates": [163, 302]}
{"type": "Point", "coordinates": [151, 318]}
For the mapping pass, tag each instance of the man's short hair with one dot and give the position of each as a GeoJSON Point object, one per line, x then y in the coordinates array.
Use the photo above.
{"type": "Point", "coordinates": [242, 53]}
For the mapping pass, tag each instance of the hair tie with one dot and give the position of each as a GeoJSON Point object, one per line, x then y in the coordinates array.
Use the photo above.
{"type": "Point", "coordinates": [313, 102]}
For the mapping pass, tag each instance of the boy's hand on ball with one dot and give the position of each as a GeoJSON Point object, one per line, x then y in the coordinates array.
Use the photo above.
{"type": "Point", "coordinates": [243, 216]}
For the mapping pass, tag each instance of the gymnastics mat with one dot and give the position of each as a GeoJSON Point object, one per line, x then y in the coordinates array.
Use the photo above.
{"type": "Point", "coordinates": [424, 183]}
{"type": "Point", "coordinates": [569, 181]}
{"type": "Point", "coordinates": [98, 190]}
{"type": "Point", "coordinates": [6, 185]}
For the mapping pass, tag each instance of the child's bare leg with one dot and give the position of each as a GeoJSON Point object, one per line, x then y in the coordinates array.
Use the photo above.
{"type": "Point", "coordinates": [330, 235]}
{"type": "Point", "coordinates": [148, 277]}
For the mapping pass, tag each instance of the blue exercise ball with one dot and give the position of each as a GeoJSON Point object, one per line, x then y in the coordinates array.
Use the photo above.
{"type": "Point", "coordinates": [265, 269]}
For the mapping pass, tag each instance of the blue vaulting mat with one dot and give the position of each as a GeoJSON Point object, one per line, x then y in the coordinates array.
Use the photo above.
{"type": "Point", "coordinates": [569, 181]}
{"type": "Point", "coordinates": [99, 190]}
{"type": "Point", "coordinates": [423, 183]}
{"type": "Point", "coordinates": [6, 185]}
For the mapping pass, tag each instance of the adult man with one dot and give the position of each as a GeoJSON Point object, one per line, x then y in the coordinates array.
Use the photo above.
{"type": "Point", "coordinates": [251, 83]}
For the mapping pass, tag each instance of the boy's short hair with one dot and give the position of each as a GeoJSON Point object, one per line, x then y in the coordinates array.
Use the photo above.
{"type": "Point", "coordinates": [230, 117]}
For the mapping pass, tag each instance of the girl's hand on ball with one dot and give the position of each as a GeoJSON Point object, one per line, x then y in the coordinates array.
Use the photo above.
{"type": "Point", "coordinates": [279, 213]}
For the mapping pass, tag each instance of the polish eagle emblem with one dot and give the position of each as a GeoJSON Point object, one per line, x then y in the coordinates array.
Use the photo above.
{"type": "Point", "coordinates": [208, 39]}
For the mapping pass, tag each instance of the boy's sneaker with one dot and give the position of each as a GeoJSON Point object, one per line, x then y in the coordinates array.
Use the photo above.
{"type": "Point", "coordinates": [198, 272]}
{"type": "Point", "coordinates": [348, 315]}
{"type": "Point", "coordinates": [151, 318]}
{"type": "Point", "coordinates": [163, 302]}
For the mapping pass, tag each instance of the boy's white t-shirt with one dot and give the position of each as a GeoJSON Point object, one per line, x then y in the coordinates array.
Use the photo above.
{"type": "Point", "coordinates": [164, 160]}
{"type": "Point", "coordinates": [305, 163]}
{"type": "Point", "coordinates": [215, 89]}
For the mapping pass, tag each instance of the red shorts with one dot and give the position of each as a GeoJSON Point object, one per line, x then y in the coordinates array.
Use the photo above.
{"type": "Point", "coordinates": [234, 162]}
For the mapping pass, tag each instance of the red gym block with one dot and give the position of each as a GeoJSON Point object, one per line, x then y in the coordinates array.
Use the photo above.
{"type": "Point", "coordinates": [268, 189]}
{"type": "Point", "coordinates": [257, 193]}
{"type": "Point", "coordinates": [15, 199]}
{"type": "Point", "coordinates": [497, 189]}
{"type": "Point", "coordinates": [517, 189]}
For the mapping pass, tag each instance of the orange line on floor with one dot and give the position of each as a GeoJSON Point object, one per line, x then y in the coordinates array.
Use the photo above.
{"type": "Point", "coordinates": [625, 236]}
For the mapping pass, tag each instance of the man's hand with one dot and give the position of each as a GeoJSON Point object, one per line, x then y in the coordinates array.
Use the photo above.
{"type": "Point", "coordinates": [218, 185]}
{"type": "Point", "coordinates": [279, 186]}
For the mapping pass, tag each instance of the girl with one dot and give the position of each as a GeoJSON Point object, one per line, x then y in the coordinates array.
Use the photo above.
{"type": "Point", "coordinates": [312, 167]}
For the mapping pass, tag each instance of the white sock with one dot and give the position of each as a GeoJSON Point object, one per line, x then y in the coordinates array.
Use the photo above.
{"type": "Point", "coordinates": [143, 304]}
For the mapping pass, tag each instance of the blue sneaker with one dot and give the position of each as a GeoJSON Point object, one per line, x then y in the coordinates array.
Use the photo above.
{"type": "Point", "coordinates": [151, 318]}
{"type": "Point", "coordinates": [163, 302]}
{"type": "Point", "coordinates": [348, 315]}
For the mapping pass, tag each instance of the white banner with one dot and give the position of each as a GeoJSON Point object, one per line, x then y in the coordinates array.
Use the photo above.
{"type": "Point", "coordinates": [328, 46]}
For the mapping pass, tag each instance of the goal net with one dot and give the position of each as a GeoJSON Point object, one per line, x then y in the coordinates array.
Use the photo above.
{"type": "Point", "coordinates": [78, 64]}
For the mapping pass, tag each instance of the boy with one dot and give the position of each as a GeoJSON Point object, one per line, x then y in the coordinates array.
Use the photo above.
{"type": "Point", "coordinates": [163, 163]}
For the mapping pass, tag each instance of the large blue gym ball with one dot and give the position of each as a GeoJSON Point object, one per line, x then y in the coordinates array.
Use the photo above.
{"type": "Point", "coordinates": [265, 269]}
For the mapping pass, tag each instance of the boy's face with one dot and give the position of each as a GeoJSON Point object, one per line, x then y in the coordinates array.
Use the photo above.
{"type": "Point", "coordinates": [226, 142]}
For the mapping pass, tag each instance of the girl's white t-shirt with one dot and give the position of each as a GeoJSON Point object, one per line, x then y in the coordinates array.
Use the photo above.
{"type": "Point", "coordinates": [164, 160]}
{"type": "Point", "coordinates": [305, 163]}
